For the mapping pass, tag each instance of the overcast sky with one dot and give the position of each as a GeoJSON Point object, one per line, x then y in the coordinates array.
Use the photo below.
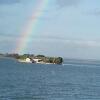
{"type": "Point", "coordinates": [68, 28]}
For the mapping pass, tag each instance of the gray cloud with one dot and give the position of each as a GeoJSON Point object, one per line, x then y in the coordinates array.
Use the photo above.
{"type": "Point", "coordinates": [65, 3]}
{"type": "Point", "coordinates": [95, 12]}
{"type": "Point", "coordinates": [62, 3]}
{"type": "Point", "coordinates": [9, 1]}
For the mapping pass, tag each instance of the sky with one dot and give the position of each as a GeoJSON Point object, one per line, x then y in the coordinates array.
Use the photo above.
{"type": "Point", "coordinates": [67, 28]}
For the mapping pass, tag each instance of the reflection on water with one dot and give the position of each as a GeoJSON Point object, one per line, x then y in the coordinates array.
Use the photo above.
{"type": "Point", "coordinates": [19, 81]}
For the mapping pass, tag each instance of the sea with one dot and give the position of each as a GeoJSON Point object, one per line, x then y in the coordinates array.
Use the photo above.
{"type": "Point", "coordinates": [73, 80]}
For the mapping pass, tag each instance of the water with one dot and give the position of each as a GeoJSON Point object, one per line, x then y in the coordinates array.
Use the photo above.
{"type": "Point", "coordinates": [71, 81]}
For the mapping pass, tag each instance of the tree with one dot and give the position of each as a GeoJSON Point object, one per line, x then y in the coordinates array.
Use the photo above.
{"type": "Point", "coordinates": [40, 56]}
{"type": "Point", "coordinates": [58, 60]}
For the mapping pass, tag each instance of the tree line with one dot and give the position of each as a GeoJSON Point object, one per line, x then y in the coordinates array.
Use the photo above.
{"type": "Point", "coordinates": [53, 60]}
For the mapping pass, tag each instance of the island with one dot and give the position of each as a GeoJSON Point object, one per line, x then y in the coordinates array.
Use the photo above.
{"type": "Point", "coordinates": [38, 59]}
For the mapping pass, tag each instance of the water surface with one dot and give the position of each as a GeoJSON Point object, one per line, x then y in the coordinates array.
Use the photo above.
{"type": "Point", "coordinates": [72, 81]}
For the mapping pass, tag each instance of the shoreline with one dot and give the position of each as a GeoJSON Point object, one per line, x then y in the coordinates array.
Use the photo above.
{"type": "Point", "coordinates": [24, 61]}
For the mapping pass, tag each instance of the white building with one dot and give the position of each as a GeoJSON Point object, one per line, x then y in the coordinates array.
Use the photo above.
{"type": "Point", "coordinates": [37, 60]}
{"type": "Point", "coordinates": [28, 60]}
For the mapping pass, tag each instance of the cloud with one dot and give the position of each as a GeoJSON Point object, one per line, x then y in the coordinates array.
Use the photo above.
{"type": "Point", "coordinates": [61, 3]}
{"type": "Point", "coordinates": [9, 1]}
{"type": "Point", "coordinates": [66, 3]}
{"type": "Point", "coordinates": [66, 42]}
{"type": "Point", "coordinates": [86, 43]}
{"type": "Point", "coordinates": [82, 43]}
{"type": "Point", "coordinates": [95, 12]}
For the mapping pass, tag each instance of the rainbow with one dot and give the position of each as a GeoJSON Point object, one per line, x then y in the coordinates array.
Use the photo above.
{"type": "Point", "coordinates": [31, 25]}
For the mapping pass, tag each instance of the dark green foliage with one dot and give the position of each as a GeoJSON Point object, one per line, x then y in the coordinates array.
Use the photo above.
{"type": "Point", "coordinates": [40, 56]}
{"type": "Point", "coordinates": [23, 57]}
{"type": "Point", "coordinates": [58, 60]}
{"type": "Point", "coordinates": [28, 55]}
{"type": "Point", "coordinates": [53, 60]}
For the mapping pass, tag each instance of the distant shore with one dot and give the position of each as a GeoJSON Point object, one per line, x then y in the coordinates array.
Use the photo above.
{"type": "Point", "coordinates": [38, 59]}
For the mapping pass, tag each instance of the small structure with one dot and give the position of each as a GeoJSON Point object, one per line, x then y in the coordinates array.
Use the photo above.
{"type": "Point", "coordinates": [37, 60]}
{"type": "Point", "coordinates": [28, 60]}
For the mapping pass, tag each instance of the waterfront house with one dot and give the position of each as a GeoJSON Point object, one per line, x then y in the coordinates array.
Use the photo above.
{"type": "Point", "coordinates": [28, 60]}
{"type": "Point", "coordinates": [35, 60]}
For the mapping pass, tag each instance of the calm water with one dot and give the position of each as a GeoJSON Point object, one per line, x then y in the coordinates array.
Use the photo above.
{"type": "Point", "coordinates": [72, 81]}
